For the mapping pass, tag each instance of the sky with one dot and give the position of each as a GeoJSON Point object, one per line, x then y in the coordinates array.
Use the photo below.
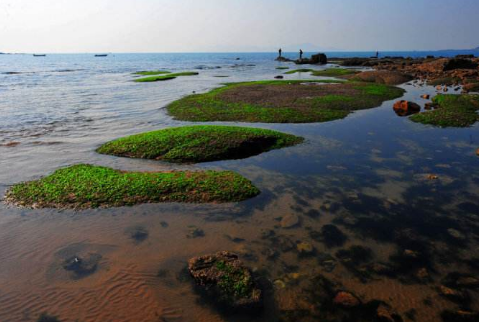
{"type": "Point", "coordinates": [80, 26]}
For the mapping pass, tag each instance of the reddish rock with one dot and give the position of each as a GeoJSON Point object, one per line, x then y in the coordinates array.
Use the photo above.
{"type": "Point", "coordinates": [477, 152]}
{"type": "Point", "coordinates": [438, 87]}
{"type": "Point", "coordinates": [404, 108]}
{"type": "Point", "coordinates": [425, 96]}
{"type": "Point", "coordinates": [346, 299]}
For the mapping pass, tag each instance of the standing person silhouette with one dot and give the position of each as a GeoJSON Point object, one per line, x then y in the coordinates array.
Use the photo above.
{"type": "Point", "coordinates": [300, 54]}
{"type": "Point", "coordinates": [377, 54]}
{"type": "Point", "coordinates": [280, 52]}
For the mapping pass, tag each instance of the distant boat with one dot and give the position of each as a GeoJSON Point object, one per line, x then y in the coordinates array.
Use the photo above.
{"type": "Point", "coordinates": [35, 55]}
{"type": "Point", "coordinates": [101, 55]}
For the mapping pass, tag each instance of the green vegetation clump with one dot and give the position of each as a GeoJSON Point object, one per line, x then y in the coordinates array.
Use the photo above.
{"type": "Point", "coordinates": [334, 72]}
{"type": "Point", "coordinates": [302, 70]}
{"type": "Point", "coordinates": [235, 282]}
{"type": "Point", "coordinates": [282, 101]}
{"type": "Point", "coordinates": [452, 111]}
{"type": "Point", "coordinates": [164, 77]}
{"type": "Point", "coordinates": [199, 143]}
{"type": "Point", "coordinates": [152, 72]}
{"type": "Point", "coordinates": [87, 186]}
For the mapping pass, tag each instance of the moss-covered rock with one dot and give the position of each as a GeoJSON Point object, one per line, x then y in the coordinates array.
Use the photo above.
{"type": "Point", "coordinates": [225, 280]}
{"type": "Point", "coordinates": [87, 186]}
{"type": "Point", "coordinates": [334, 72]}
{"type": "Point", "coordinates": [152, 72]}
{"type": "Point", "coordinates": [282, 101]}
{"type": "Point", "coordinates": [199, 143]}
{"type": "Point", "coordinates": [167, 76]}
{"type": "Point", "coordinates": [451, 111]}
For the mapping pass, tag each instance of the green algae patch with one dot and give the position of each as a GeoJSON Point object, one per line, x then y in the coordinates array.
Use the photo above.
{"type": "Point", "coordinates": [302, 70]}
{"type": "Point", "coordinates": [86, 186]}
{"type": "Point", "coordinates": [191, 144]}
{"type": "Point", "coordinates": [282, 101]}
{"type": "Point", "coordinates": [152, 72]}
{"type": "Point", "coordinates": [451, 111]}
{"type": "Point", "coordinates": [334, 72]}
{"type": "Point", "coordinates": [164, 77]}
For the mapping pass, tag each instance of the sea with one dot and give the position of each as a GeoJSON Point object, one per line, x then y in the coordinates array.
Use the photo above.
{"type": "Point", "coordinates": [404, 193]}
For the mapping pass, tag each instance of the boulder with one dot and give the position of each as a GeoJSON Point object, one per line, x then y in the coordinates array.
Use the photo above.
{"type": "Point", "coordinates": [460, 63]}
{"type": "Point", "coordinates": [404, 108]}
{"type": "Point", "coordinates": [225, 280]}
{"type": "Point", "coordinates": [279, 77]}
{"type": "Point", "coordinates": [319, 59]}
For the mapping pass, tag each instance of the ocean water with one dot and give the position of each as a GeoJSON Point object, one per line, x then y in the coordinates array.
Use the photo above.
{"type": "Point", "coordinates": [366, 174]}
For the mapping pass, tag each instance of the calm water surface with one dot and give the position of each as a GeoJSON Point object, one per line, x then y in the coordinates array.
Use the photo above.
{"type": "Point", "coordinates": [366, 174]}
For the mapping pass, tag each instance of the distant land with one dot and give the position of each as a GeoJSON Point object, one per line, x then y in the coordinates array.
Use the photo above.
{"type": "Point", "coordinates": [309, 48]}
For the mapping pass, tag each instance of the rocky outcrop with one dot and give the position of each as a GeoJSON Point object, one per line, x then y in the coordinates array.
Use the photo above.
{"type": "Point", "coordinates": [383, 77]}
{"type": "Point", "coordinates": [225, 280]}
{"type": "Point", "coordinates": [405, 108]}
{"type": "Point", "coordinates": [317, 59]}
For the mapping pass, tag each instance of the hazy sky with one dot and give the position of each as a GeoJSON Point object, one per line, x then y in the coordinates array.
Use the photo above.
{"type": "Point", "coordinates": [235, 25]}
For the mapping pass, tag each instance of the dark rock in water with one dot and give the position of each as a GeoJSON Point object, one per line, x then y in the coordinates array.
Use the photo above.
{"type": "Point", "coordinates": [289, 221]}
{"type": "Point", "coordinates": [225, 280]}
{"type": "Point", "coordinates": [44, 317]}
{"type": "Point", "coordinates": [195, 232]}
{"type": "Point", "coordinates": [355, 255]}
{"type": "Point", "coordinates": [459, 316]}
{"type": "Point", "coordinates": [318, 59]}
{"type": "Point", "coordinates": [332, 236]}
{"type": "Point", "coordinates": [139, 234]}
{"type": "Point", "coordinates": [405, 108]}
{"type": "Point", "coordinates": [82, 267]}
{"type": "Point", "coordinates": [279, 77]}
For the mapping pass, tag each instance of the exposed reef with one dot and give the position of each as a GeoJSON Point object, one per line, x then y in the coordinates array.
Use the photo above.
{"type": "Point", "coordinates": [191, 144]}
{"type": "Point", "coordinates": [282, 101]}
{"type": "Point", "coordinates": [87, 186]}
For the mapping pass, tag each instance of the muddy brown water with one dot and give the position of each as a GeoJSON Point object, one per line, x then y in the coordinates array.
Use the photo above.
{"type": "Point", "coordinates": [367, 174]}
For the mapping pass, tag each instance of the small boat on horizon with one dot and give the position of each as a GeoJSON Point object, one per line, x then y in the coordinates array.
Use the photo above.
{"type": "Point", "coordinates": [101, 55]}
{"type": "Point", "coordinates": [39, 55]}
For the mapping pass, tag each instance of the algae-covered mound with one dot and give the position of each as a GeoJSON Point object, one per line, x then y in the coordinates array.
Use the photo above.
{"type": "Point", "coordinates": [225, 280]}
{"type": "Point", "coordinates": [166, 76]}
{"type": "Point", "coordinates": [382, 77]}
{"type": "Point", "coordinates": [87, 186]}
{"type": "Point", "coordinates": [282, 101]}
{"type": "Point", "coordinates": [334, 72]}
{"type": "Point", "coordinates": [199, 143]}
{"type": "Point", "coordinates": [451, 111]}
{"type": "Point", "coordinates": [152, 72]}
{"type": "Point", "coordinates": [302, 70]}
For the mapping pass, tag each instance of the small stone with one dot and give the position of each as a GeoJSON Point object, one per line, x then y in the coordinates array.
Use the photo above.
{"type": "Point", "coordinates": [477, 152]}
{"type": "Point", "coordinates": [279, 284]}
{"type": "Point", "coordinates": [425, 96]}
{"type": "Point", "coordinates": [455, 233]}
{"type": "Point", "coordinates": [305, 248]}
{"type": "Point", "coordinates": [384, 314]}
{"type": "Point", "coordinates": [422, 274]}
{"type": "Point", "coordinates": [346, 299]}
{"type": "Point", "coordinates": [432, 177]}
{"type": "Point", "coordinates": [195, 232]}
{"type": "Point", "coordinates": [438, 87]}
{"type": "Point", "coordinates": [289, 221]}
{"type": "Point", "coordinates": [279, 77]}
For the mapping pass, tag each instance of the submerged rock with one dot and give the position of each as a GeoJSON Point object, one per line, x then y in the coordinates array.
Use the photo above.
{"type": "Point", "coordinates": [346, 299]}
{"type": "Point", "coordinates": [289, 221]}
{"type": "Point", "coordinates": [82, 266]}
{"type": "Point", "coordinates": [459, 316]}
{"type": "Point", "coordinates": [226, 281]}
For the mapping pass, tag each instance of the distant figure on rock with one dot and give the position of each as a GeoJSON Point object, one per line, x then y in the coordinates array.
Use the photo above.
{"type": "Point", "coordinates": [300, 54]}
{"type": "Point", "coordinates": [280, 52]}
{"type": "Point", "coordinates": [377, 54]}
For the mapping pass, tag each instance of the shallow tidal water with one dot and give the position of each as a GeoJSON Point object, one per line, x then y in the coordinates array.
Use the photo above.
{"type": "Point", "coordinates": [367, 174]}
